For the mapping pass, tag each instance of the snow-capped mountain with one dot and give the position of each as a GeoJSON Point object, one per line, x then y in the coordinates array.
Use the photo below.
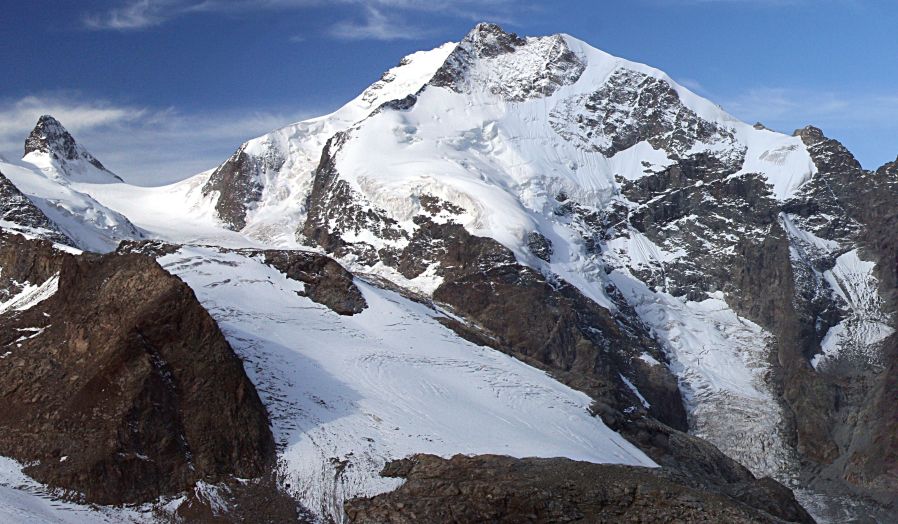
{"type": "Point", "coordinates": [53, 149]}
{"type": "Point", "coordinates": [49, 175]}
{"type": "Point", "coordinates": [553, 252]}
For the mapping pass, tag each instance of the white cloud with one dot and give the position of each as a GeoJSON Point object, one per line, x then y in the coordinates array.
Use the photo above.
{"type": "Point", "coordinates": [376, 26]}
{"type": "Point", "coordinates": [133, 15]}
{"type": "Point", "coordinates": [800, 106]}
{"type": "Point", "coordinates": [376, 19]}
{"type": "Point", "coordinates": [144, 146]}
{"type": "Point", "coordinates": [21, 115]}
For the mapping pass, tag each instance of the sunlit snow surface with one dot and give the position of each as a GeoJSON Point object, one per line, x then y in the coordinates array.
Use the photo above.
{"type": "Point", "coordinates": [347, 394]}
{"type": "Point", "coordinates": [867, 324]}
{"type": "Point", "coordinates": [30, 295]}
{"type": "Point", "coordinates": [81, 217]}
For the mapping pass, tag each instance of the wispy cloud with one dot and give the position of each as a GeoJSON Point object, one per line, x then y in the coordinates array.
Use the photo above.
{"type": "Point", "coordinates": [368, 19]}
{"type": "Point", "coordinates": [375, 26]}
{"type": "Point", "coordinates": [22, 114]}
{"type": "Point", "coordinates": [144, 145]}
{"type": "Point", "coordinates": [802, 106]}
{"type": "Point", "coordinates": [134, 15]}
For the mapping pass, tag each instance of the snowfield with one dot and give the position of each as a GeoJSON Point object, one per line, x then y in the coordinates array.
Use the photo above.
{"type": "Point", "coordinates": [347, 394]}
{"type": "Point", "coordinates": [82, 218]}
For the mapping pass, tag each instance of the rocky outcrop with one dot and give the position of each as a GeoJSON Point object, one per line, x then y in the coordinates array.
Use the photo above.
{"type": "Point", "coordinates": [335, 209]}
{"type": "Point", "coordinates": [552, 64]}
{"type": "Point", "coordinates": [236, 185]}
{"type": "Point", "coordinates": [326, 281]}
{"type": "Point", "coordinates": [50, 137]}
{"type": "Point", "coordinates": [118, 386]}
{"type": "Point", "coordinates": [631, 107]}
{"type": "Point", "coordinates": [553, 326]}
{"type": "Point", "coordinates": [502, 489]}
{"type": "Point", "coordinates": [238, 501]}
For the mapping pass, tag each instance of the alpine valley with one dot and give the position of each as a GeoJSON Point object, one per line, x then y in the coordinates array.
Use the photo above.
{"type": "Point", "coordinates": [515, 280]}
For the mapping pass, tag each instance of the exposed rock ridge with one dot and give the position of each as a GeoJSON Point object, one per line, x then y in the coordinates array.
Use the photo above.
{"type": "Point", "coordinates": [49, 136]}
{"type": "Point", "coordinates": [238, 186]}
{"type": "Point", "coordinates": [852, 211]}
{"type": "Point", "coordinates": [326, 282]}
{"type": "Point", "coordinates": [631, 107]}
{"type": "Point", "coordinates": [536, 67]}
{"type": "Point", "coordinates": [493, 488]}
{"type": "Point", "coordinates": [127, 380]}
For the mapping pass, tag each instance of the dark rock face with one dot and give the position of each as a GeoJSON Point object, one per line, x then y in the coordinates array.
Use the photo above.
{"type": "Point", "coordinates": [492, 488]}
{"type": "Point", "coordinates": [553, 326]}
{"type": "Point", "coordinates": [540, 246]}
{"type": "Point", "coordinates": [120, 386]}
{"type": "Point", "coordinates": [454, 251]}
{"type": "Point", "coordinates": [25, 261]}
{"type": "Point", "coordinates": [689, 207]}
{"type": "Point", "coordinates": [49, 136]}
{"type": "Point", "coordinates": [856, 208]}
{"type": "Point", "coordinates": [631, 107]}
{"type": "Point", "coordinates": [559, 67]}
{"type": "Point", "coordinates": [238, 184]}
{"type": "Point", "coordinates": [326, 281]}
{"type": "Point", "coordinates": [17, 209]}
{"type": "Point", "coordinates": [335, 209]}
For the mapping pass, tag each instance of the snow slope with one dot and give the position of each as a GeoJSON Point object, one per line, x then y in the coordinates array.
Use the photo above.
{"type": "Point", "coordinates": [346, 394]}
{"type": "Point", "coordinates": [290, 155]}
{"type": "Point", "coordinates": [175, 213]}
{"type": "Point", "coordinates": [93, 226]}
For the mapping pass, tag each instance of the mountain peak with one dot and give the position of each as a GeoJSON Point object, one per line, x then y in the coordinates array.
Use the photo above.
{"type": "Point", "coordinates": [490, 59]}
{"type": "Point", "coordinates": [810, 134]}
{"type": "Point", "coordinates": [488, 40]}
{"type": "Point", "coordinates": [50, 137]}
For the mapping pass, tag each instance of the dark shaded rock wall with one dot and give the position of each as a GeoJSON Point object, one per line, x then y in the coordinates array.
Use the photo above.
{"type": "Point", "coordinates": [120, 386]}
{"type": "Point", "coordinates": [492, 488]}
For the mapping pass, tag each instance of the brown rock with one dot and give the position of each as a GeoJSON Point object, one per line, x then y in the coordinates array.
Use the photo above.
{"type": "Point", "coordinates": [492, 488]}
{"type": "Point", "coordinates": [120, 386]}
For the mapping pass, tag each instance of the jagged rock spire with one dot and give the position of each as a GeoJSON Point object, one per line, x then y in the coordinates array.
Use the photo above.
{"type": "Point", "coordinates": [51, 137]}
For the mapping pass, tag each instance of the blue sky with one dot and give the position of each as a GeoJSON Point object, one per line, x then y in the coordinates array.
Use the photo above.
{"type": "Point", "coordinates": [161, 89]}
